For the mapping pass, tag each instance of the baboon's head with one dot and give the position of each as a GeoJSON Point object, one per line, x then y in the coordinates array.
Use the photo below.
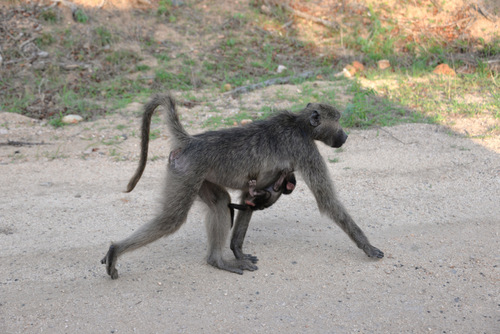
{"type": "Point", "coordinates": [289, 184]}
{"type": "Point", "coordinates": [325, 122]}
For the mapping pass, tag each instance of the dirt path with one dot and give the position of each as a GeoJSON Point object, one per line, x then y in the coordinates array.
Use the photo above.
{"type": "Point", "coordinates": [428, 198]}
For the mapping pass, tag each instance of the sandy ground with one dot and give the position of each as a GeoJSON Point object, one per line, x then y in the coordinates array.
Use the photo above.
{"type": "Point", "coordinates": [430, 199]}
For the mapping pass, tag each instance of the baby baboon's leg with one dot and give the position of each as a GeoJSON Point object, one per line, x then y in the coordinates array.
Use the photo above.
{"type": "Point", "coordinates": [218, 223]}
{"type": "Point", "coordinates": [239, 232]}
{"type": "Point", "coordinates": [179, 196]}
{"type": "Point", "coordinates": [252, 189]}
{"type": "Point", "coordinates": [279, 182]}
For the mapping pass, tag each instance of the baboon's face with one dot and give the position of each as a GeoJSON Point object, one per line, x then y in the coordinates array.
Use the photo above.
{"type": "Point", "coordinates": [325, 120]}
{"type": "Point", "coordinates": [289, 184]}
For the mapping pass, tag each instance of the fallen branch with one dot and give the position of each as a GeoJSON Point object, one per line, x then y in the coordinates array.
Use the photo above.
{"type": "Point", "coordinates": [393, 136]}
{"type": "Point", "coordinates": [21, 143]}
{"type": "Point", "coordinates": [26, 42]}
{"type": "Point", "coordinates": [270, 82]}
{"type": "Point", "coordinates": [74, 66]}
{"type": "Point", "coordinates": [484, 12]}
{"type": "Point", "coordinates": [330, 24]}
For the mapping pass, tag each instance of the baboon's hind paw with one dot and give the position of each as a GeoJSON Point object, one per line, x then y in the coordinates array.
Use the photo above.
{"type": "Point", "coordinates": [234, 266]}
{"type": "Point", "coordinates": [224, 266]}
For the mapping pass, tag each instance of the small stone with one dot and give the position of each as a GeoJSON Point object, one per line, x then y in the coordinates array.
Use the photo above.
{"type": "Point", "coordinates": [72, 119]}
{"type": "Point", "coordinates": [39, 65]}
{"type": "Point", "coordinates": [445, 70]}
{"type": "Point", "coordinates": [351, 69]}
{"type": "Point", "coordinates": [265, 9]}
{"type": "Point", "coordinates": [246, 121]}
{"type": "Point", "coordinates": [339, 74]}
{"type": "Point", "coordinates": [346, 73]}
{"type": "Point", "coordinates": [383, 64]}
{"type": "Point", "coordinates": [227, 87]}
{"type": "Point", "coordinates": [281, 68]}
{"type": "Point", "coordinates": [358, 66]}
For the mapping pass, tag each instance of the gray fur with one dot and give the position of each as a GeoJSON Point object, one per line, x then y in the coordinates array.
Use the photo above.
{"type": "Point", "coordinates": [204, 165]}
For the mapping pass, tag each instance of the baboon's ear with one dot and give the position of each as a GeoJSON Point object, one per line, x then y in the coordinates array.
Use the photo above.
{"type": "Point", "coordinates": [308, 105]}
{"type": "Point", "coordinates": [315, 118]}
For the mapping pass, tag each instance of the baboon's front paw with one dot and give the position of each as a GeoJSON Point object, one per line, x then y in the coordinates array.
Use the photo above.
{"type": "Point", "coordinates": [113, 273]}
{"type": "Point", "coordinates": [247, 265]}
{"type": "Point", "coordinates": [373, 252]}
{"type": "Point", "coordinates": [239, 255]}
{"type": "Point", "coordinates": [110, 260]}
{"type": "Point", "coordinates": [251, 258]}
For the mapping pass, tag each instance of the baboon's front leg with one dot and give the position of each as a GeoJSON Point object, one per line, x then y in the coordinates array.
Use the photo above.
{"type": "Point", "coordinates": [356, 234]}
{"type": "Point", "coordinates": [338, 213]}
{"type": "Point", "coordinates": [239, 232]}
{"type": "Point", "coordinates": [317, 178]}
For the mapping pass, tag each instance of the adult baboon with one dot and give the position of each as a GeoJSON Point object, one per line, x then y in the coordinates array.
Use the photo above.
{"type": "Point", "coordinates": [204, 165]}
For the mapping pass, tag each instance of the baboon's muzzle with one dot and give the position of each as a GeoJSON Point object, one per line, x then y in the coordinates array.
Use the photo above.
{"type": "Point", "coordinates": [340, 139]}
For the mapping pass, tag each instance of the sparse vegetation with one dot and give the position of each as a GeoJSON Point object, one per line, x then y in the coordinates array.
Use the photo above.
{"type": "Point", "coordinates": [246, 45]}
{"type": "Point", "coordinates": [80, 16]}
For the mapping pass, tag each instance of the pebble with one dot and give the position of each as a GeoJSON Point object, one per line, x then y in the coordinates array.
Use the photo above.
{"type": "Point", "coordinates": [445, 70]}
{"type": "Point", "coordinates": [358, 66]}
{"type": "Point", "coordinates": [281, 68]}
{"type": "Point", "coordinates": [383, 64]}
{"type": "Point", "coordinates": [72, 119]}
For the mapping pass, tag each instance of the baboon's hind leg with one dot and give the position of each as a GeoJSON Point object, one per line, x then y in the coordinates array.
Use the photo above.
{"type": "Point", "coordinates": [218, 223]}
{"type": "Point", "coordinates": [179, 197]}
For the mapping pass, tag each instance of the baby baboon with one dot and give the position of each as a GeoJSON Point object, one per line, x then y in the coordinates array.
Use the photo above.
{"type": "Point", "coordinates": [204, 165]}
{"type": "Point", "coordinates": [260, 199]}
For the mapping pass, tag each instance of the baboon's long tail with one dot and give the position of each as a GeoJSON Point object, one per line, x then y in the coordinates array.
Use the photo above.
{"type": "Point", "coordinates": [180, 136]}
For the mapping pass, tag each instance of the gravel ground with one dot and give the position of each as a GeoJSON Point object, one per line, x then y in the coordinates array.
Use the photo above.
{"type": "Point", "coordinates": [425, 196]}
